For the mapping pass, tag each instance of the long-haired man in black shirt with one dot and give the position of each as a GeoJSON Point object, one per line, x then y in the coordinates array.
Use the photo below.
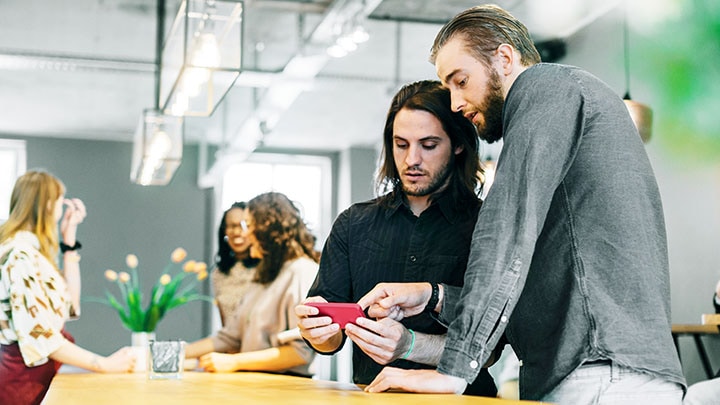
{"type": "Point", "coordinates": [419, 229]}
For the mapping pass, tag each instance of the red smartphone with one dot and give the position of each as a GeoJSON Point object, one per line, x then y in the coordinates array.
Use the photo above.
{"type": "Point", "coordinates": [341, 313]}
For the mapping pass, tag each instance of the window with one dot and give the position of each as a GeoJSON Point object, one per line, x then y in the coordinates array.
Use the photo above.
{"type": "Point", "coordinates": [12, 164]}
{"type": "Point", "coordinates": [306, 180]}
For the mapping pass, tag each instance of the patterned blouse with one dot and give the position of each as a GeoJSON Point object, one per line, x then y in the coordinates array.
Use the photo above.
{"type": "Point", "coordinates": [34, 299]}
{"type": "Point", "coordinates": [230, 288]}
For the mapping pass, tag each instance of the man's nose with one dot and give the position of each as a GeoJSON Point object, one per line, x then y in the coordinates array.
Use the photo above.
{"type": "Point", "coordinates": [457, 102]}
{"type": "Point", "coordinates": [414, 157]}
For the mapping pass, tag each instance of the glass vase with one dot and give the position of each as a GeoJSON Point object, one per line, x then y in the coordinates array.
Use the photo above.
{"type": "Point", "coordinates": [141, 347]}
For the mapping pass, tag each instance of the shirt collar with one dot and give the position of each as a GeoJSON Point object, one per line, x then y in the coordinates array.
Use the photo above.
{"type": "Point", "coordinates": [442, 200]}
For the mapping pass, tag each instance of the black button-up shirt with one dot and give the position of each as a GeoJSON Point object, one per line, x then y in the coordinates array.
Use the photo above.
{"type": "Point", "coordinates": [372, 243]}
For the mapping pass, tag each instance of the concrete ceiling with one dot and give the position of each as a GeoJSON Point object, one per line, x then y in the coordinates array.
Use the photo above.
{"type": "Point", "coordinates": [84, 69]}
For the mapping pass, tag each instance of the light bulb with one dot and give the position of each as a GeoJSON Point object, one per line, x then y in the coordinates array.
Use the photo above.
{"type": "Point", "coordinates": [359, 35]}
{"type": "Point", "coordinates": [160, 146]}
{"type": "Point", "coordinates": [347, 43]}
{"type": "Point", "coordinates": [193, 80]}
{"type": "Point", "coordinates": [180, 105]}
{"type": "Point", "coordinates": [336, 51]}
{"type": "Point", "coordinates": [206, 51]}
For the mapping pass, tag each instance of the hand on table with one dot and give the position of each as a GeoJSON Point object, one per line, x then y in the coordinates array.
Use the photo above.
{"type": "Point", "coordinates": [426, 381]}
{"type": "Point", "coordinates": [122, 361]}
{"type": "Point", "coordinates": [217, 362]}
{"type": "Point", "coordinates": [384, 340]}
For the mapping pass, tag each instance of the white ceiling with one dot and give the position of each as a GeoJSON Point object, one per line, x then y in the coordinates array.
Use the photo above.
{"type": "Point", "coordinates": [85, 68]}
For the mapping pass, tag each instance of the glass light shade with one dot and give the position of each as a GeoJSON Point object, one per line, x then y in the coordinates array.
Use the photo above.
{"type": "Point", "coordinates": [157, 148]}
{"type": "Point", "coordinates": [201, 58]}
{"type": "Point", "coordinates": [642, 117]}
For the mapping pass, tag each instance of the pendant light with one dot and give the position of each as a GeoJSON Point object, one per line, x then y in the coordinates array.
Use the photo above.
{"type": "Point", "coordinates": [202, 57]}
{"type": "Point", "coordinates": [158, 142]}
{"type": "Point", "coordinates": [640, 113]}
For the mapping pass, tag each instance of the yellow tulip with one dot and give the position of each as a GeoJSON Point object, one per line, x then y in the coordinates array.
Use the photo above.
{"type": "Point", "coordinates": [189, 266]}
{"type": "Point", "coordinates": [165, 279]}
{"type": "Point", "coordinates": [202, 275]}
{"type": "Point", "coordinates": [124, 277]}
{"type": "Point", "coordinates": [111, 275]}
{"type": "Point", "coordinates": [132, 261]}
{"type": "Point", "coordinates": [178, 255]}
{"type": "Point", "coordinates": [200, 267]}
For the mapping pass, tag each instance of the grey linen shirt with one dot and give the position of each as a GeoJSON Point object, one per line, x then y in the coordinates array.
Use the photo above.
{"type": "Point", "coordinates": [569, 253]}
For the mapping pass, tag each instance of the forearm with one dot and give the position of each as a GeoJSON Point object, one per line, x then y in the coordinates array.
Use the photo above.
{"type": "Point", "coordinates": [273, 359]}
{"type": "Point", "coordinates": [74, 355]}
{"type": "Point", "coordinates": [428, 349]}
{"type": "Point", "coordinates": [71, 273]}
{"type": "Point", "coordinates": [199, 348]}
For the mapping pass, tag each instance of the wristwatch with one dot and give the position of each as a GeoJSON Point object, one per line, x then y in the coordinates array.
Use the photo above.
{"type": "Point", "coordinates": [434, 298]}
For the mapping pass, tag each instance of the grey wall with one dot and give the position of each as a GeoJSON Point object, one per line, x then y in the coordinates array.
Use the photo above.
{"type": "Point", "coordinates": [363, 162]}
{"type": "Point", "coordinates": [127, 218]}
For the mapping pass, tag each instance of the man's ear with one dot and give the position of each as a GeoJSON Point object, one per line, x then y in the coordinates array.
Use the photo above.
{"type": "Point", "coordinates": [459, 149]}
{"type": "Point", "coordinates": [506, 56]}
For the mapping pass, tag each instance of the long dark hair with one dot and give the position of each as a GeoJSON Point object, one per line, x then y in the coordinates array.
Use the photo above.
{"type": "Point", "coordinates": [281, 233]}
{"type": "Point", "coordinates": [225, 258]}
{"type": "Point", "coordinates": [430, 96]}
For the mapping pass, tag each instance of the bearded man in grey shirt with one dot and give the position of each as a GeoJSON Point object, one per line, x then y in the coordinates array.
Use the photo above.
{"type": "Point", "coordinates": [569, 252]}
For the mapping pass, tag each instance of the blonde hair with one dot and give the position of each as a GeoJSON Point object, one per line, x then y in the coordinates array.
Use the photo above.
{"type": "Point", "coordinates": [32, 206]}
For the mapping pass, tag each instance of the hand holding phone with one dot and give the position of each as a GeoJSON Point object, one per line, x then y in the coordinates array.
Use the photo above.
{"type": "Point", "coordinates": [341, 313]}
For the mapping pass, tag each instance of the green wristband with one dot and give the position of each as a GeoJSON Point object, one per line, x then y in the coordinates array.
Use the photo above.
{"type": "Point", "coordinates": [412, 345]}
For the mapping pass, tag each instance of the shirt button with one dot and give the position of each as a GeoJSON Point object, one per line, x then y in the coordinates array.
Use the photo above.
{"type": "Point", "coordinates": [413, 258]}
{"type": "Point", "coordinates": [503, 319]}
{"type": "Point", "coordinates": [473, 364]}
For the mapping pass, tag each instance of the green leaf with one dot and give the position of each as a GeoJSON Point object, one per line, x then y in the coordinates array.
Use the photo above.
{"type": "Point", "coordinates": [188, 298]}
{"type": "Point", "coordinates": [154, 314]}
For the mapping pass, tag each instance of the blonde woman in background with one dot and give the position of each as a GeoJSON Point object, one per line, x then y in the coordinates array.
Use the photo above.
{"type": "Point", "coordinates": [37, 296]}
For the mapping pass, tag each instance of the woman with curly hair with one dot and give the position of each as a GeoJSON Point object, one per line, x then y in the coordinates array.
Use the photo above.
{"type": "Point", "coordinates": [261, 334]}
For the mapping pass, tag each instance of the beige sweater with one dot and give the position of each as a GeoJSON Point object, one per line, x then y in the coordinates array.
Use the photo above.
{"type": "Point", "coordinates": [266, 310]}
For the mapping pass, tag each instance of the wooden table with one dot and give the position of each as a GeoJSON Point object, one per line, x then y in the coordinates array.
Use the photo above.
{"type": "Point", "coordinates": [696, 331]}
{"type": "Point", "coordinates": [236, 388]}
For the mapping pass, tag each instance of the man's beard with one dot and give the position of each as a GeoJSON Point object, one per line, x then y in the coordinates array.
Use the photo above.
{"type": "Point", "coordinates": [436, 182]}
{"type": "Point", "coordinates": [492, 108]}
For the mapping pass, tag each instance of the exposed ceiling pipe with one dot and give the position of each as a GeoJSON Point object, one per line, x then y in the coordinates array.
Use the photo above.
{"type": "Point", "coordinates": [28, 60]}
